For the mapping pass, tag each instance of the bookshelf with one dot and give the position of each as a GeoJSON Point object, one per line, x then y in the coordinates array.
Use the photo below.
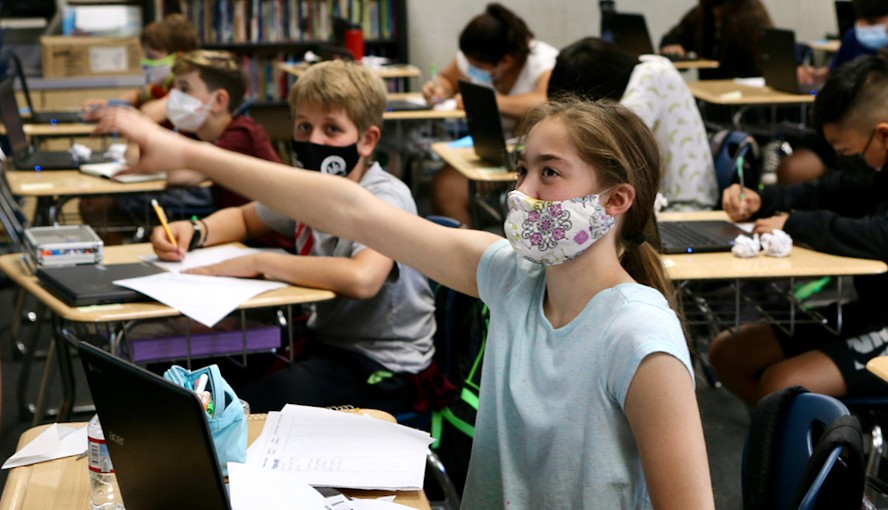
{"type": "Point", "coordinates": [265, 33]}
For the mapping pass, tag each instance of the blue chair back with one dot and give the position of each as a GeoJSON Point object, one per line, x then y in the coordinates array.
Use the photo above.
{"type": "Point", "coordinates": [808, 416]}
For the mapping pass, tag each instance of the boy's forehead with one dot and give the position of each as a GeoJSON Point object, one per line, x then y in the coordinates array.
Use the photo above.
{"type": "Point", "coordinates": [312, 109]}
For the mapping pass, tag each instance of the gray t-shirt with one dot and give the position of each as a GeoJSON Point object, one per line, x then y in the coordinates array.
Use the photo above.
{"type": "Point", "coordinates": [396, 326]}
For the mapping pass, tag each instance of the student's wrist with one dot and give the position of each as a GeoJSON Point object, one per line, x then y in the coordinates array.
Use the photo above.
{"type": "Point", "coordinates": [199, 234]}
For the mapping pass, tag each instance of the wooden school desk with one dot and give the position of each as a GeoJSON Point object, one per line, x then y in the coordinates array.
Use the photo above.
{"type": "Point", "coordinates": [801, 263]}
{"type": "Point", "coordinates": [476, 170]}
{"type": "Point", "coordinates": [731, 93]}
{"type": "Point", "coordinates": [114, 316]}
{"type": "Point", "coordinates": [63, 484]}
{"type": "Point", "coordinates": [700, 63]}
{"type": "Point", "coordinates": [52, 188]}
{"type": "Point", "coordinates": [879, 367]}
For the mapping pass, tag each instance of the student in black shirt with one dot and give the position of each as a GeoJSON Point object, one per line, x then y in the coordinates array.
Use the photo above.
{"type": "Point", "coordinates": [845, 213]}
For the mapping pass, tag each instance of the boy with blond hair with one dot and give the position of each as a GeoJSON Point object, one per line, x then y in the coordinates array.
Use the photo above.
{"type": "Point", "coordinates": [373, 342]}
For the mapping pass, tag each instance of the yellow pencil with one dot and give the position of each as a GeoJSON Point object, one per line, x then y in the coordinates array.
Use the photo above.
{"type": "Point", "coordinates": [163, 220]}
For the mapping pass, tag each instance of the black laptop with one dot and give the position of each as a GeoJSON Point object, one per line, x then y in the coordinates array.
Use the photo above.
{"type": "Point", "coordinates": [25, 156]}
{"type": "Point", "coordinates": [46, 116]}
{"type": "Point", "coordinates": [845, 16]}
{"type": "Point", "coordinates": [779, 62]}
{"type": "Point", "coordinates": [697, 236]}
{"type": "Point", "coordinates": [157, 434]}
{"type": "Point", "coordinates": [404, 105]}
{"type": "Point", "coordinates": [629, 31]}
{"type": "Point", "coordinates": [485, 125]}
{"type": "Point", "coordinates": [91, 284]}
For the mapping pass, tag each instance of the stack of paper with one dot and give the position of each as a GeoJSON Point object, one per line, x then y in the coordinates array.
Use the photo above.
{"type": "Point", "coordinates": [327, 448]}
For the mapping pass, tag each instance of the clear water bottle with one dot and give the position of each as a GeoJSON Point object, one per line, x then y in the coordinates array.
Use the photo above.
{"type": "Point", "coordinates": [103, 491]}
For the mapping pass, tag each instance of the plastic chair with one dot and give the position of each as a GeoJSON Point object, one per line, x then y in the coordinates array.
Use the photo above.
{"type": "Point", "coordinates": [797, 442]}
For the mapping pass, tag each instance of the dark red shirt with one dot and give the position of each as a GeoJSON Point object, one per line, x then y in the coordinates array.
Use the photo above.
{"type": "Point", "coordinates": [244, 135]}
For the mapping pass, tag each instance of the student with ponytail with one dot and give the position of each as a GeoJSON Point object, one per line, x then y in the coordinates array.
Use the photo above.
{"type": "Point", "coordinates": [587, 393]}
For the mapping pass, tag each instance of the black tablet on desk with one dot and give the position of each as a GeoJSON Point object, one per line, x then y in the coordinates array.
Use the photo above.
{"type": "Point", "coordinates": [91, 284]}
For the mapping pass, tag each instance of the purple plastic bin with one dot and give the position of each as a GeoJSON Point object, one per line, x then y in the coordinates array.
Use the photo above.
{"type": "Point", "coordinates": [166, 340]}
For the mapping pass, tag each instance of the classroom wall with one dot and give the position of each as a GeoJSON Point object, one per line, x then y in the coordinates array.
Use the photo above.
{"type": "Point", "coordinates": [435, 25]}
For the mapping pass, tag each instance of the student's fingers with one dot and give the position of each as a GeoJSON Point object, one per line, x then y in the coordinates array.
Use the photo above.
{"type": "Point", "coordinates": [160, 149]}
{"type": "Point", "coordinates": [731, 202]}
{"type": "Point", "coordinates": [428, 91]}
{"type": "Point", "coordinates": [459, 102]}
{"type": "Point", "coordinates": [673, 49]}
{"type": "Point", "coordinates": [240, 267]}
{"type": "Point", "coordinates": [166, 250]}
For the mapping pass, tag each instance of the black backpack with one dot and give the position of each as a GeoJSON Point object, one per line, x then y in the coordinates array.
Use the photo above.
{"type": "Point", "coordinates": [844, 484]}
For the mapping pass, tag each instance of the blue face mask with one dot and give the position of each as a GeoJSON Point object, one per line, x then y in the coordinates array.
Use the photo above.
{"type": "Point", "coordinates": [480, 76]}
{"type": "Point", "coordinates": [874, 37]}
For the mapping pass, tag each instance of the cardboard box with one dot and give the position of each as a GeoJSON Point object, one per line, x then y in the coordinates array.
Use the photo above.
{"type": "Point", "coordinates": [65, 57]}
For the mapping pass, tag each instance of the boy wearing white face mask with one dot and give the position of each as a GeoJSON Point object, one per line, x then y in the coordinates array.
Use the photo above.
{"type": "Point", "coordinates": [162, 41]}
{"type": "Point", "coordinates": [208, 86]}
{"type": "Point", "coordinates": [373, 343]}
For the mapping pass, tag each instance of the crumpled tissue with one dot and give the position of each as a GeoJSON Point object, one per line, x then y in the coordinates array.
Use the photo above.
{"type": "Point", "coordinates": [80, 152]}
{"type": "Point", "coordinates": [746, 247]}
{"type": "Point", "coordinates": [660, 203]}
{"type": "Point", "coordinates": [116, 151]}
{"type": "Point", "coordinates": [777, 244]}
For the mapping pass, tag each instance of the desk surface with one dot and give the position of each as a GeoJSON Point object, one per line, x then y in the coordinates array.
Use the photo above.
{"type": "Point", "coordinates": [63, 483]}
{"type": "Point", "coordinates": [52, 183]}
{"type": "Point", "coordinates": [13, 265]}
{"type": "Point", "coordinates": [430, 114]}
{"type": "Point", "coordinates": [470, 165]}
{"type": "Point", "coordinates": [700, 63]}
{"type": "Point", "coordinates": [55, 130]}
{"type": "Point", "coordinates": [802, 262]}
{"type": "Point", "coordinates": [729, 92]}
{"type": "Point", "coordinates": [827, 45]}
{"type": "Point", "coordinates": [879, 367]}
{"type": "Point", "coordinates": [385, 72]}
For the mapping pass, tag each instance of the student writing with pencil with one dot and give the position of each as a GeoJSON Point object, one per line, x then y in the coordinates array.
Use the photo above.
{"type": "Point", "coordinates": [845, 213]}
{"type": "Point", "coordinates": [372, 344]}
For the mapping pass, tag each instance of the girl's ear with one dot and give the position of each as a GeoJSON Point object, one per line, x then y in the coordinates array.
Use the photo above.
{"type": "Point", "coordinates": [620, 200]}
{"type": "Point", "coordinates": [367, 142]}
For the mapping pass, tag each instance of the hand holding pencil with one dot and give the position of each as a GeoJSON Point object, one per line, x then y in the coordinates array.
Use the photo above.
{"type": "Point", "coordinates": [170, 240]}
{"type": "Point", "coordinates": [740, 203]}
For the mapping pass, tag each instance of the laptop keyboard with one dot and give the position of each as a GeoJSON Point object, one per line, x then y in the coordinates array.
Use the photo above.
{"type": "Point", "coordinates": [675, 234]}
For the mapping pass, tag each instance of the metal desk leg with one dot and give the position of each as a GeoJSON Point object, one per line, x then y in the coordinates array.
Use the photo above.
{"type": "Point", "coordinates": [65, 369]}
{"type": "Point", "coordinates": [30, 351]}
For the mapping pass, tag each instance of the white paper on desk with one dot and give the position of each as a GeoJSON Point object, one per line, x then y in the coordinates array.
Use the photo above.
{"type": "Point", "coordinates": [206, 299]}
{"type": "Point", "coordinates": [202, 257]}
{"type": "Point", "coordinates": [755, 81]}
{"type": "Point", "coordinates": [55, 442]}
{"type": "Point", "coordinates": [328, 448]}
{"type": "Point", "coordinates": [254, 487]}
{"type": "Point", "coordinates": [447, 105]}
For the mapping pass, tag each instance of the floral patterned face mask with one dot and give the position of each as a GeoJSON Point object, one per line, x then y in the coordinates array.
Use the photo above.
{"type": "Point", "coordinates": [551, 233]}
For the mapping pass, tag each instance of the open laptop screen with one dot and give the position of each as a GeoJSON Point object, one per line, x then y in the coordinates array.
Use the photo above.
{"type": "Point", "coordinates": [12, 119]}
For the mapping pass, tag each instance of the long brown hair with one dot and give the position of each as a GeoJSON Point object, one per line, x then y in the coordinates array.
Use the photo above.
{"type": "Point", "coordinates": [741, 23]}
{"type": "Point", "coordinates": [620, 146]}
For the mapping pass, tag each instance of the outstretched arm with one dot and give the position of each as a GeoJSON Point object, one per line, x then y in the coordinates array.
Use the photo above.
{"type": "Point", "coordinates": [329, 203]}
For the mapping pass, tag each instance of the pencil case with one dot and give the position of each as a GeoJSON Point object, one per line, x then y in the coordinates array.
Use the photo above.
{"type": "Point", "coordinates": [225, 414]}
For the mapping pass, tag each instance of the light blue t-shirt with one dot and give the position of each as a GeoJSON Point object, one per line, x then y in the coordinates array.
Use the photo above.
{"type": "Point", "coordinates": [551, 431]}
